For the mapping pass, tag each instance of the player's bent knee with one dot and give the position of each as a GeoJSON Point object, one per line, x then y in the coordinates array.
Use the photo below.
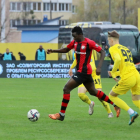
{"type": "Point", "coordinates": [66, 89]}
{"type": "Point", "coordinates": [93, 92]}
{"type": "Point", "coordinates": [81, 95]}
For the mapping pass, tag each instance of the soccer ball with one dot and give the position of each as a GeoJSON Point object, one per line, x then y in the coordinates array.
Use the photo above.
{"type": "Point", "coordinates": [33, 115]}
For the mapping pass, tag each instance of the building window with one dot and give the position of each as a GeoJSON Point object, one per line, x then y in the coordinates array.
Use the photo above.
{"type": "Point", "coordinates": [31, 22]}
{"type": "Point", "coordinates": [38, 21]}
{"type": "Point", "coordinates": [34, 22]}
{"type": "Point", "coordinates": [52, 6]}
{"type": "Point", "coordinates": [67, 7]}
{"type": "Point", "coordinates": [39, 6]}
{"type": "Point", "coordinates": [14, 23]}
{"type": "Point", "coordinates": [59, 6]}
{"type": "Point", "coordinates": [15, 6]}
{"type": "Point", "coordinates": [18, 6]}
{"type": "Point", "coordinates": [24, 6]}
{"type": "Point", "coordinates": [27, 6]}
{"type": "Point", "coordinates": [55, 6]}
{"type": "Point", "coordinates": [34, 6]}
{"type": "Point", "coordinates": [18, 22]}
{"type": "Point", "coordinates": [25, 22]}
{"type": "Point", "coordinates": [63, 22]}
{"type": "Point", "coordinates": [73, 9]}
{"type": "Point", "coordinates": [46, 6]}
{"type": "Point", "coordinates": [62, 6]}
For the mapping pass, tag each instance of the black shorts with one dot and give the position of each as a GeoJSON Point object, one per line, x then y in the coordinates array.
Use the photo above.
{"type": "Point", "coordinates": [82, 78]}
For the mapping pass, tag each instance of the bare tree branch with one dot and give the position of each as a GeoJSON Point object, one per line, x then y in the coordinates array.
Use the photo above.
{"type": "Point", "coordinates": [97, 10]}
{"type": "Point", "coordinates": [23, 15]}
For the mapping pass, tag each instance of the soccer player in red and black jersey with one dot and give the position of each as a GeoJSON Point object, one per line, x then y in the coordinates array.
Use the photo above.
{"type": "Point", "coordinates": [83, 49]}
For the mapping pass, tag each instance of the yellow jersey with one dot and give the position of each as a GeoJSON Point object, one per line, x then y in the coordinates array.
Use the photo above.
{"type": "Point", "coordinates": [122, 60]}
{"type": "Point", "coordinates": [92, 63]}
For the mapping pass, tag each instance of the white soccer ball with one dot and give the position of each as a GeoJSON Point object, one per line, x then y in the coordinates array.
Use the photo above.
{"type": "Point", "coordinates": [33, 115]}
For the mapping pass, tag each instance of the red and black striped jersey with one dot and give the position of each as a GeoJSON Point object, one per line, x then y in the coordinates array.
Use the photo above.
{"type": "Point", "coordinates": [83, 52]}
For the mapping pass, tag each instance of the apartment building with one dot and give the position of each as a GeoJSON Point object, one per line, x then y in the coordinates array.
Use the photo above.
{"type": "Point", "coordinates": [29, 12]}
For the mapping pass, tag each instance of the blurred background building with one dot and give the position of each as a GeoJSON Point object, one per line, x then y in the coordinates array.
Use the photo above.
{"type": "Point", "coordinates": [31, 12]}
{"type": "Point", "coordinates": [43, 13]}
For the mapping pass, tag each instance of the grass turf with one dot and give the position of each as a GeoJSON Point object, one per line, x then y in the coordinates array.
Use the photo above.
{"type": "Point", "coordinates": [18, 96]}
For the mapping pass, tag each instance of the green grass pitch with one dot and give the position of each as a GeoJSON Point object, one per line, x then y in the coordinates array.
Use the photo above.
{"type": "Point", "coordinates": [18, 96]}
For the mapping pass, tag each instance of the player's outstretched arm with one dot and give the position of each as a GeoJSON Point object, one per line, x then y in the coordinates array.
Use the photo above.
{"type": "Point", "coordinates": [63, 50]}
{"type": "Point", "coordinates": [98, 70]}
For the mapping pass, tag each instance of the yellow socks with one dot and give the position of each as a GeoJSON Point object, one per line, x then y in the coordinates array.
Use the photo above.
{"type": "Point", "coordinates": [84, 98]}
{"type": "Point", "coordinates": [137, 103]}
{"type": "Point", "coordinates": [106, 106]}
{"type": "Point", "coordinates": [120, 103]}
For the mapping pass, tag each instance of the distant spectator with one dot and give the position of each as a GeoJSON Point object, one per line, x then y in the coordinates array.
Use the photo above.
{"type": "Point", "coordinates": [22, 56]}
{"type": "Point", "coordinates": [106, 50]}
{"type": "Point", "coordinates": [133, 51]}
{"type": "Point", "coordinates": [40, 54]}
{"type": "Point", "coordinates": [1, 56]}
{"type": "Point", "coordinates": [7, 55]}
{"type": "Point", "coordinates": [129, 47]}
{"type": "Point", "coordinates": [14, 58]}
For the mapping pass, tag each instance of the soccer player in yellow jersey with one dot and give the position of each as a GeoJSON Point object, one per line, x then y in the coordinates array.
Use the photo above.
{"type": "Point", "coordinates": [82, 90]}
{"type": "Point", "coordinates": [130, 77]}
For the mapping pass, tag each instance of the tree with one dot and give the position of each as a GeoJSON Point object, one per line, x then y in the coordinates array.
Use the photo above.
{"type": "Point", "coordinates": [91, 11]}
{"type": "Point", "coordinates": [6, 16]}
{"type": "Point", "coordinates": [131, 14]}
{"type": "Point", "coordinates": [80, 13]}
{"type": "Point", "coordinates": [95, 10]}
{"type": "Point", "coordinates": [4, 21]}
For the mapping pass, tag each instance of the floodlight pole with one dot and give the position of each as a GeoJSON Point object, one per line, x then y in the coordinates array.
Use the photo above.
{"type": "Point", "coordinates": [124, 15]}
{"type": "Point", "coordinates": [109, 10]}
{"type": "Point", "coordinates": [50, 9]}
{"type": "Point", "coordinates": [2, 8]}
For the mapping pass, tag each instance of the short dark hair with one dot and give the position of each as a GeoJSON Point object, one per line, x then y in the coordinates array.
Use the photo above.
{"type": "Point", "coordinates": [113, 33]}
{"type": "Point", "coordinates": [77, 30]}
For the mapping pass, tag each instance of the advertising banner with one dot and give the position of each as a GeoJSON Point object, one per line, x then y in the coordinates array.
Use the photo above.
{"type": "Point", "coordinates": [41, 69]}
{"type": "Point", "coordinates": [35, 69]}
